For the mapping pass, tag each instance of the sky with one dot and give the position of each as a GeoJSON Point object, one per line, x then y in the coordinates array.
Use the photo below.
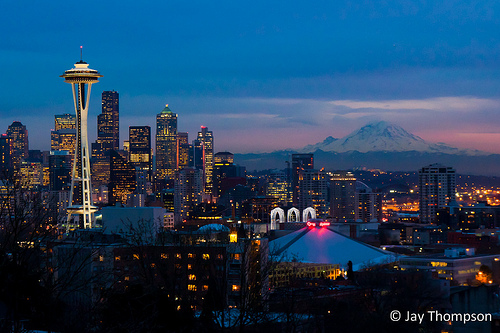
{"type": "Point", "coordinates": [262, 75]}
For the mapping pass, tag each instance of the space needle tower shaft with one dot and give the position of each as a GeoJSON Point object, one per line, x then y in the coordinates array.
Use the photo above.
{"type": "Point", "coordinates": [81, 78]}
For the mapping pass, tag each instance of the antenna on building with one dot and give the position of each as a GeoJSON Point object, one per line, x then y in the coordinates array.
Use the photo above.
{"type": "Point", "coordinates": [81, 52]}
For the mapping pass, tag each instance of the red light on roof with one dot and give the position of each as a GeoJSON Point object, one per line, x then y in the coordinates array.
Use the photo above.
{"type": "Point", "coordinates": [319, 224]}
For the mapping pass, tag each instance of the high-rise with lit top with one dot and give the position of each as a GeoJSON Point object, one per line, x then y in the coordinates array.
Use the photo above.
{"type": "Point", "coordinates": [81, 78]}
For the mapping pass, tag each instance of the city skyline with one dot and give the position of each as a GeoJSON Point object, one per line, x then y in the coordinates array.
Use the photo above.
{"type": "Point", "coordinates": [294, 73]}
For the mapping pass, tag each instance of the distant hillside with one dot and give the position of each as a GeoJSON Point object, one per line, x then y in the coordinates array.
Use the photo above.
{"type": "Point", "coordinates": [488, 165]}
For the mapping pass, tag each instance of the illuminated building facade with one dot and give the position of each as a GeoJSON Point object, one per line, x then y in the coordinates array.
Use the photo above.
{"type": "Point", "coordinates": [20, 145]}
{"type": "Point", "coordinates": [139, 151]}
{"type": "Point", "coordinates": [6, 163]}
{"type": "Point", "coordinates": [368, 205]}
{"type": "Point", "coordinates": [196, 157]}
{"type": "Point", "coordinates": [342, 196]}
{"type": "Point", "coordinates": [313, 191]}
{"type": "Point", "coordinates": [206, 138]}
{"type": "Point", "coordinates": [63, 139]}
{"type": "Point", "coordinates": [226, 175]}
{"type": "Point", "coordinates": [188, 190]}
{"type": "Point", "coordinates": [108, 125]}
{"type": "Point", "coordinates": [183, 148]}
{"type": "Point", "coordinates": [64, 121]}
{"type": "Point", "coordinates": [278, 187]}
{"type": "Point", "coordinates": [166, 144]}
{"type": "Point", "coordinates": [59, 170]}
{"type": "Point", "coordinates": [299, 162]}
{"type": "Point", "coordinates": [437, 187]}
{"type": "Point", "coordinates": [81, 78]}
{"type": "Point", "coordinates": [31, 175]}
{"type": "Point", "coordinates": [122, 178]}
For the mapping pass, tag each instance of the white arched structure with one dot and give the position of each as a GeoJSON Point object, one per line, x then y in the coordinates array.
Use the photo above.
{"type": "Point", "coordinates": [291, 212]}
{"type": "Point", "coordinates": [308, 211]}
{"type": "Point", "coordinates": [281, 213]}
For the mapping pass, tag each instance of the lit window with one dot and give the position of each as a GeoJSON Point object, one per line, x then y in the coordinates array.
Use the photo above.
{"type": "Point", "coordinates": [126, 278]}
{"type": "Point", "coordinates": [118, 258]}
{"type": "Point", "coordinates": [192, 277]}
{"type": "Point", "coordinates": [101, 258]}
{"type": "Point", "coordinates": [164, 256]}
{"type": "Point", "coordinates": [205, 287]}
{"type": "Point", "coordinates": [178, 256]}
{"type": "Point", "coordinates": [233, 237]}
{"type": "Point", "coordinates": [190, 266]}
{"type": "Point", "coordinates": [190, 255]}
{"type": "Point", "coordinates": [136, 256]}
{"type": "Point", "coordinates": [191, 287]}
{"type": "Point", "coordinates": [235, 287]}
{"type": "Point", "coordinates": [206, 256]}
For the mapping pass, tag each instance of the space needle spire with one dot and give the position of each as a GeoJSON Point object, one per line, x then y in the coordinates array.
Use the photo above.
{"type": "Point", "coordinates": [81, 210]}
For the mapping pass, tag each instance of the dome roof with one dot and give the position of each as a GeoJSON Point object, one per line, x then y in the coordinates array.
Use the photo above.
{"type": "Point", "coordinates": [214, 227]}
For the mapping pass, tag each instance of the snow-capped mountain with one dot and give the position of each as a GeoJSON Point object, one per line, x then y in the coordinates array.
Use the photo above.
{"type": "Point", "coordinates": [384, 136]}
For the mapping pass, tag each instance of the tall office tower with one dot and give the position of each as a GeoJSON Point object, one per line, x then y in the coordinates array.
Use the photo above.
{"type": "Point", "coordinates": [342, 196]}
{"type": "Point", "coordinates": [313, 191]}
{"type": "Point", "coordinates": [437, 187]}
{"type": "Point", "coordinates": [31, 175]}
{"type": "Point", "coordinates": [224, 157]}
{"type": "Point", "coordinates": [279, 187]}
{"type": "Point", "coordinates": [59, 170]}
{"type": "Point", "coordinates": [368, 204]}
{"type": "Point", "coordinates": [64, 121]}
{"type": "Point", "coordinates": [6, 166]}
{"type": "Point", "coordinates": [81, 78]}
{"type": "Point", "coordinates": [196, 155]}
{"type": "Point", "coordinates": [226, 175]}
{"type": "Point", "coordinates": [206, 138]}
{"type": "Point", "coordinates": [63, 139]}
{"type": "Point", "coordinates": [139, 151]}
{"type": "Point", "coordinates": [299, 162]}
{"type": "Point", "coordinates": [166, 144]}
{"type": "Point", "coordinates": [182, 150]}
{"type": "Point", "coordinates": [64, 135]}
{"type": "Point", "coordinates": [122, 178]}
{"type": "Point", "coordinates": [108, 123]}
{"type": "Point", "coordinates": [20, 147]}
{"type": "Point", "coordinates": [188, 190]}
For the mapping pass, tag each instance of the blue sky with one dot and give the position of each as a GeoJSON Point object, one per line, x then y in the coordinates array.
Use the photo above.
{"type": "Point", "coordinates": [262, 75]}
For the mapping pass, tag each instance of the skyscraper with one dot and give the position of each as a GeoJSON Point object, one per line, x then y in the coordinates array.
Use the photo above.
{"type": "Point", "coordinates": [206, 138]}
{"type": "Point", "coordinates": [6, 166]}
{"type": "Point", "coordinates": [64, 121]}
{"type": "Point", "coordinates": [299, 162]}
{"type": "Point", "coordinates": [64, 135]}
{"type": "Point", "coordinates": [188, 192]}
{"type": "Point", "coordinates": [81, 78]}
{"type": "Point", "coordinates": [343, 196]}
{"type": "Point", "coordinates": [313, 191]}
{"type": "Point", "coordinates": [59, 170]}
{"type": "Point", "coordinates": [20, 145]}
{"type": "Point", "coordinates": [166, 144]}
{"type": "Point", "coordinates": [182, 150]}
{"type": "Point", "coordinates": [139, 151]}
{"type": "Point", "coordinates": [437, 187]}
{"type": "Point", "coordinates": [108, 123]}
{"type": "Point", "coordinates": [122, 178]}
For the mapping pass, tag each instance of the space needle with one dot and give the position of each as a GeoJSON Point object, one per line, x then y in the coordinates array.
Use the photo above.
{"type": "Point", "coordinates": [80, 210]}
